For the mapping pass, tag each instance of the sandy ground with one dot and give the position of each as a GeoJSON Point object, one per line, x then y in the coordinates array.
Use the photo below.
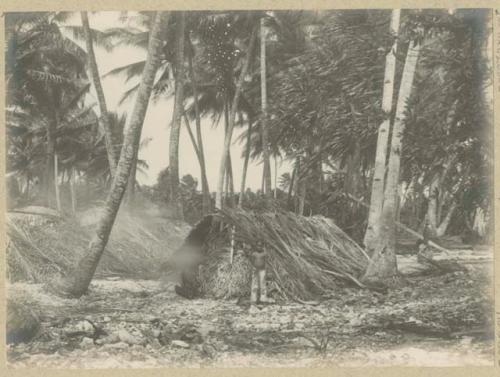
{"type": "Point", "coordinates": [146, 325]}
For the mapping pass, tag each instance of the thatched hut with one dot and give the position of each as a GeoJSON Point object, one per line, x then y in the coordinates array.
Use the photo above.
{"type": "Point", "coordinates": [308, 257]}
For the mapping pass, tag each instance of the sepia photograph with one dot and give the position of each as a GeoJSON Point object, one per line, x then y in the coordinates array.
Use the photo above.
{"type": "Point", "coordinates": [249, 188]}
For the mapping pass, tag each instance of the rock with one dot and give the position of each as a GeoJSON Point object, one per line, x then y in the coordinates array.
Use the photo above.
{"type": "Point", "coordinates": [189, 334]}
{"type": "Point", "coordinates": [253, 310]}
{"type": "Point", "coordinates": [180, 343]}
{"type": "Point", "coordinates": [166, 335]}
{"type": "Point", "coordinates": [119, 345]}
{"type": "Point", "coordinates": [156, 333]}
{"type": "Point", "coordinates": [112, 338]}
{"type": "Point", "coordinates": [22, 323]}
{"type": "Point", "coordinates": [87, 343]}
{"type": "Point", "coordinates": [106, 319]}
{"type": "Point", "coordinates": [79, 328]}
{"type": "Point", "coordinates": [128, 338]}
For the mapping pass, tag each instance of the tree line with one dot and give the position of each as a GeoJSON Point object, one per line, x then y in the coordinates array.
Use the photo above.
{"type": "Point", "coordinates": [383, 115]}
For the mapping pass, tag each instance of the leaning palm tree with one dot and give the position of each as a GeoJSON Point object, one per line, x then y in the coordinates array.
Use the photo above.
{"type": "Point", "coordinates": [111, 145]}
{"type": "Point", "coordinates": [175, 126]}
{"type": "Point", "coordinates": [80, 280]}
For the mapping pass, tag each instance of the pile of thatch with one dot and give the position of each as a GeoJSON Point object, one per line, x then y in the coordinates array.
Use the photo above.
{"type": "Point", "coordinates": [43, 247]}
{"type": "Point", "coordinates": [308, 256]}
{"type": "Point", "coordinates": [221, 279]}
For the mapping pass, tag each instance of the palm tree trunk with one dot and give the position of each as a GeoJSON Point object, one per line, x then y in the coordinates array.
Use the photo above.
{"type": "Point", "coordinates": [263, 122]}
{"type": "Point", "coordinates": [207, 202]}
{"type": "Point", "coordinates": [72, 191]}
{"type": "Point", "coordinates": [383, 266]}
{"type": "Point", "coordinates": [296, 185]}
{"type": "Point", "coordinates": [26, 193]}
{"type": "Point", "coordinates": [48, 177]}
{"type": "Point", "coordinates": [196, 147]}
{"type": "Point", "coordinates": [432, 206]}
{"type": "Point", "coordinates": [56, 183]}
{"type": "Point", "coordinates": [191, 137]}
{"type": "Point", "coordinates": [232, 116]}
{"type": "Point", "coordinates": [111, 146]}
{"type": "Point", "coordinates": [275, 177]}
{"type": "Point", "coordinates": [377, 192]}
{"type": "Point", "coordinates": [230, 182]}
{"type": "Point", "coordinates": [226, 126]}
{"type": "Point", "coordinates": [292, 183]}
{"type": "Point", "coordinates": [353, 171]}
{"type": "Point", "coordinates": [245, 164]}
{"type": "Point", "coordinates": [130, 193]}
{"type": "Point", "coordinates": [83, 273]}
{"type": "Point", "coordinates": [175, 128]}
{"type": "Point", "coordinates": [443, 226]}
{"type": "Point", "coordinates": [302, 196]}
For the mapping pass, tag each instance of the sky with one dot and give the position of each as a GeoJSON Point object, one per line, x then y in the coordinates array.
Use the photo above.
{"type": "Point", "coordinates": [158, 117]}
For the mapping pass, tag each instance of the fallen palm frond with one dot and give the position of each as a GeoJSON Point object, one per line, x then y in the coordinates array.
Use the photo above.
{"type": "Point", "coordinates": [307, 256]}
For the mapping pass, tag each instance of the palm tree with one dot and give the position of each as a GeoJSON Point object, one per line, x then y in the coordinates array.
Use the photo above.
{"type": "Point", "coordinates": [111, 145]}
{"type": "Point", "coordinates": [232, 116]}
{"type": "Point", "coordinates": [46, 78]}
{"type": "Point", "coordinates": [383, 265]}
{"type": "Point", "coordinates": [263, 122]}
{"type": "Point", "coordinates": [377, 192]}
{"type": "Point", "coordinates": [245, 163]}
{"type": "Point", "coordinates": [80, 280]}
{"type": "Point", "coordinates": [207, 203]}
{"type": "Point", "coordinates": [175, 127]}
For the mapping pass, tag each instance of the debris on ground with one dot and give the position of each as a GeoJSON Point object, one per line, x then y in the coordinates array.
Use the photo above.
{"type": "Point", "coordinates": [143, 323]}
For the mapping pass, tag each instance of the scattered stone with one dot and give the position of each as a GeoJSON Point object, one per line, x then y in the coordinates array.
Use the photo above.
{"type": "Point", "coordinates": [253, 310]}
{"type": "Point", "coordinates": [156, 333]}
{"type": "Point", "coordinates": [79, 328]}
{"type": "Point", "coordinates": [119, 345]}
{"type": "Point", "coordinates": [180, 344]}
{"type": "Point", "coordinates": [87, 343]}
{"type": "Point", "coordinates": [128, 338]}
{"type": "Point", "coordinates": [190, 334]}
